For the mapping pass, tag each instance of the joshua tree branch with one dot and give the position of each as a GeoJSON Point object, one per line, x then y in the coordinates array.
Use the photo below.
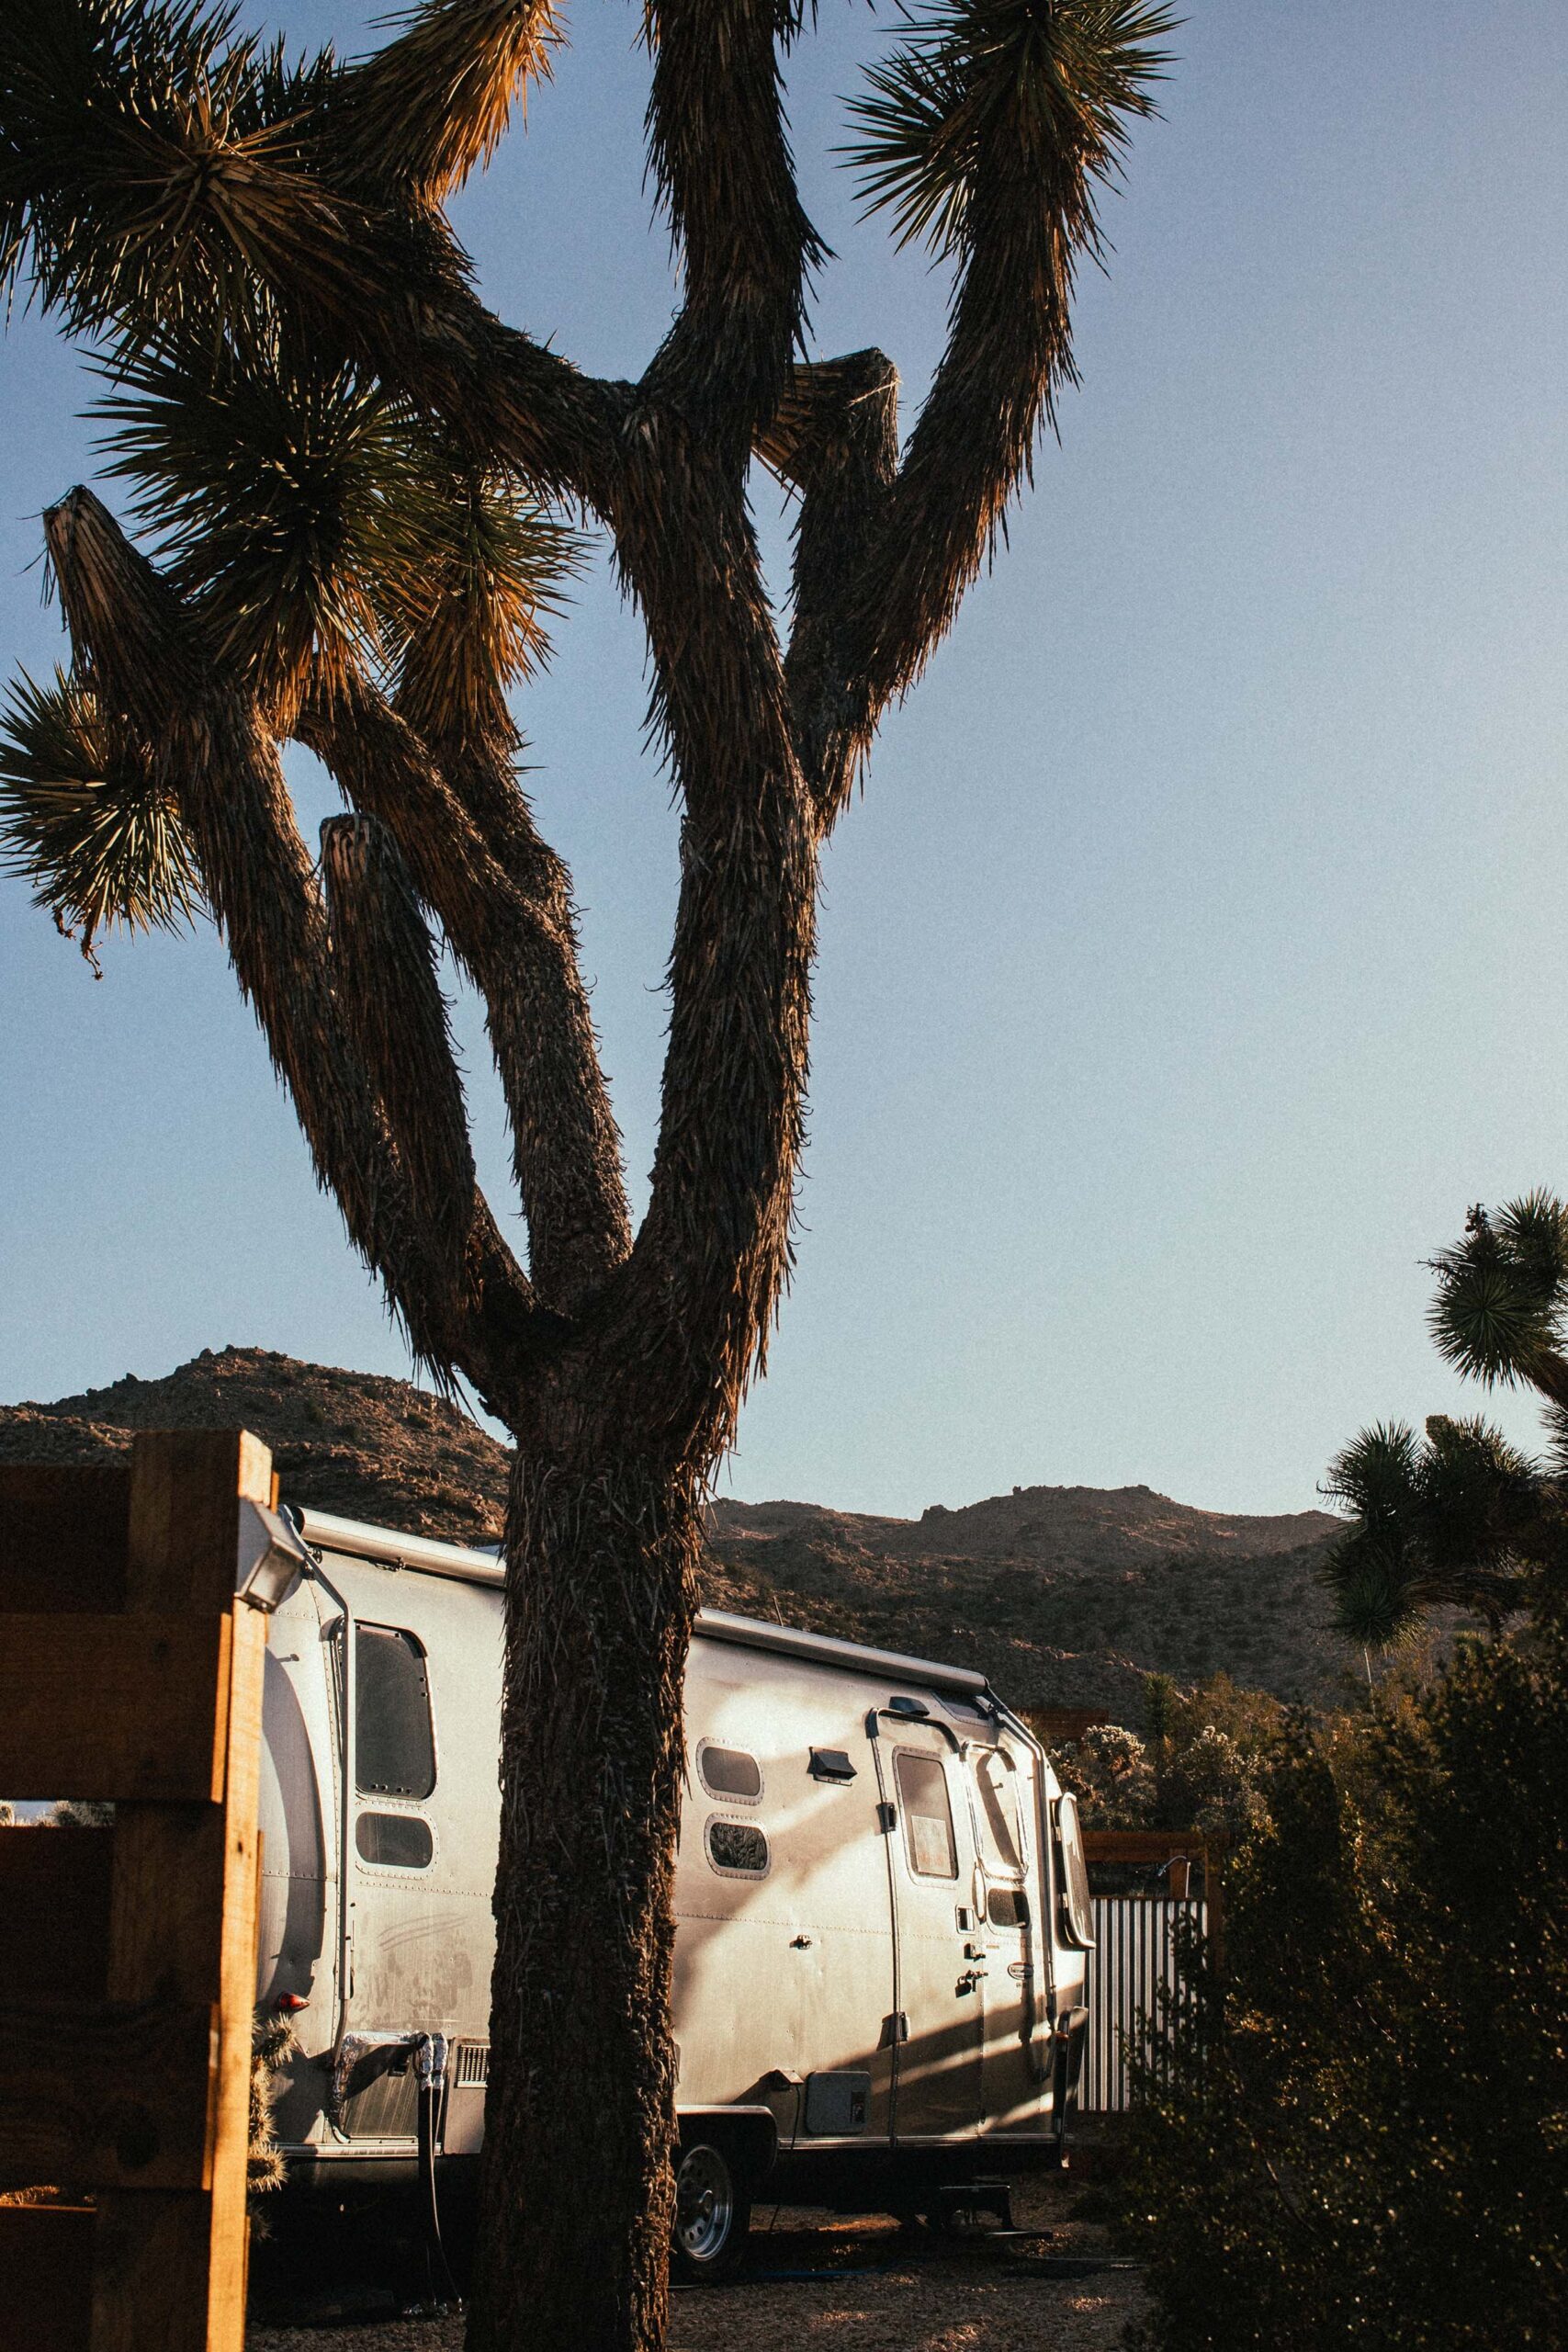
{"type": "Point", "coordinates": [147, 661]}
{"type": "Point", "coordinates": [1009, 349]}
{"type": "Point", "coordinates": [386, 990]}
{"type": "Point", "coordinates": [1548, 1371]}
{"type": "Point", "coordinates": [718, 145]}
{"type": "Point", "coordinates": [834, 439]}
{"type": "Point", "coordinates": [691, 1315]}
{"type": "Point", "coordinates": [468, 839]}
{"type": "Point", "coordinates": [430, 104]}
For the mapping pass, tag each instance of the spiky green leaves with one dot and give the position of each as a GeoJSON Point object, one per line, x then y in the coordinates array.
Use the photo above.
{"type": "Point", "coordinates": [322, 529]}
{"type": "Point", "coordinates": [1036, 92]}
{"type": "Point", "coordinates": [476, 570]}
{"type": "Point", "coordinates": [151, 160]}
{"type": "Point", "coordinates": [86, 820]}
{"type": "Point", "coordinates": [988, 132]}
{"type": "Point", "coordinates": [430, 106]}
{"type": "Point", "coordinates": [1449, 1522]}
{"type": "Point", "coordinates": [1499, 1307]}
{"type": "Point", "coordinates": [1465, 1519]}
{"type": "Point", "coordinates": [272, 476]}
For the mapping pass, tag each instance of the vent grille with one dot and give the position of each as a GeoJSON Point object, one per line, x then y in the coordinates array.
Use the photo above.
{"type": "Point", "coordinates": [473, 2066]}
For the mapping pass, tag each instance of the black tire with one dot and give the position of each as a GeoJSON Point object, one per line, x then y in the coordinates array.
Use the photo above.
{"type": "Point", "coordinates": [712, 2216]}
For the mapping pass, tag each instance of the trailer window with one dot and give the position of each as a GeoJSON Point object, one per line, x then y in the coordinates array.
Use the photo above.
{"type": "Point", "coordinates": [728, 1771]}
{"type": "Point", "coordinates": [394, 1739]}
{"type": "Point", "coordinates": [928, 1816]}
{"type": "Point", "coordinates": [1072, 1874]}
{"type": "Point", "coordinates": [996, 1784]}
{"type": "Point", "coordinates": [738, 1849]}
{"type": "Point", "coordinates": [1006, 1907]}
{"type": "Point", "coordinates": [399, 1840]}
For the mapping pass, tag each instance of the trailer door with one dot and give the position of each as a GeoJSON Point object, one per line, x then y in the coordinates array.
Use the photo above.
{"type": "Point", "coordinates": [940, 2020]}
{"type": "Point", "coordinates": [1017, 2036]}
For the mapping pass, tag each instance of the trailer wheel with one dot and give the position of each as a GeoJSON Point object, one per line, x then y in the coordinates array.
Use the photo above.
{"type": "Point", "coordinates": [712, 2217]}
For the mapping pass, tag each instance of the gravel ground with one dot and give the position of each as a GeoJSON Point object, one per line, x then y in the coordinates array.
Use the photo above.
{"type": "Point", "coordinates": [876, 2290]}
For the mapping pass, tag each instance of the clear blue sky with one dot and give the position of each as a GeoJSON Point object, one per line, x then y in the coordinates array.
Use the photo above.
{"type": "Point", "coordinates": [1198, 951]}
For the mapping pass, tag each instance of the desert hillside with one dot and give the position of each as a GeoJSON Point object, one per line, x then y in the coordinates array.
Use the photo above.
{"type": "Point", "coordinates": [1065, 1595]}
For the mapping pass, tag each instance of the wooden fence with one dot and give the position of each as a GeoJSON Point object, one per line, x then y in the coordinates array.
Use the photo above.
{"type": "Point", "coordinates": [129, 1670]}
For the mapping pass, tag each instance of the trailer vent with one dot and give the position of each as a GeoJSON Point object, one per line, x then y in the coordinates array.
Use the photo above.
{"type": "Point", "coordinates": [472, 2071]}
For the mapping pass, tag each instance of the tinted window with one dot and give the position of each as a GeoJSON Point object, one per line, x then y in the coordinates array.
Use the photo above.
{"type": "Point", "coordinates": [401, 1839]}
{"type": "Point", "coordinates": [1078, 1913]}
{"type": "Point", "coordinates": [738, 1846]}
{"type": "Point", "coordinates": [996, 1784]}
{"type": "Point", "coordinates": [728, 1771]}
{"type": "Point", "coordinates": [928, 1816]}
{"type": "Point", "coordinates": [394, 1743]}
{"type": "Point", "coordinates": [1006, 1907]}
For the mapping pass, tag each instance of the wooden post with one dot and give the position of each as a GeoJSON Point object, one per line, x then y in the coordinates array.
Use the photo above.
{"type": "Point", "coordinates": [128, 1983]}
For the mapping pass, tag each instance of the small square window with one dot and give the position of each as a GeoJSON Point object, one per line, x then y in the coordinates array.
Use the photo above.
{"type": "Point", "coordinates": [395, 1840]}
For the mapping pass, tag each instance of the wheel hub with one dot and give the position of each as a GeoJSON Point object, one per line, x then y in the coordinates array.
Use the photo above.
{"type": "Point", "coordinates": [705, 2203]}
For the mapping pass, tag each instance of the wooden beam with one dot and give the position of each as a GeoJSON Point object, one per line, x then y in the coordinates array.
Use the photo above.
{"type": "Point", "coordinates": [46, 2277]}
{"type": "Point", "coordinates": [171, 2270]}
{"type": "Point", "coordinates": [137, 2087]}
{"type": "Point", "coordinates": [186, 1490]}
{"type": "Point", "coordinates": [1141, 1845]}
{"type": "Point", "coordinates": [54, 1913]}
{"type": "Point", "coordinates": [128, 1706]}
{"type": "Point", "coordinates": [65, 1531]}
{"type": "Point", "coordinates": [104, 2094]}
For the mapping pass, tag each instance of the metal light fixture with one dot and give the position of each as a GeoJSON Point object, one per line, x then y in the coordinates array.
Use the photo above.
{"type": "Point", "coordinates": [271, 1556]}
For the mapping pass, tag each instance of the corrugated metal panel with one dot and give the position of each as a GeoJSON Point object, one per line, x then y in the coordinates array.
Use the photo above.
{"type": "Point", "coordinates": [1134, 1955]}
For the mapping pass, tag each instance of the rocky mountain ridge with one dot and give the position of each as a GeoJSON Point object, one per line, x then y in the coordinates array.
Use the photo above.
{"type": "Point", "coordinates": [1066, 1596]}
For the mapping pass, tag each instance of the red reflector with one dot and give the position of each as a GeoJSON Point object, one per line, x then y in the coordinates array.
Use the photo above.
{"type": "Point", "coordinates": [289, 2002]}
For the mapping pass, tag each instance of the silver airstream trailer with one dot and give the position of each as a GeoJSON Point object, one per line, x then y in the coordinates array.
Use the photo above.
{"type": "Point", "coordinates": [882, 1913]}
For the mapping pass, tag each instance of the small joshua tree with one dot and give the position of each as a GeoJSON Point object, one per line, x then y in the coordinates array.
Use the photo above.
{"type": "Point", "coordinates": [351, 477]}
{"type": "Point", "coordinates": [1461, 1518]}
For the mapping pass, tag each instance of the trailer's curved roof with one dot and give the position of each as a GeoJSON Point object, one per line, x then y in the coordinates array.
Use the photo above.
{"type": "Point", "coordinates": [363, 1542]}
{"type": "Point", "coordinates": [826, 1649]}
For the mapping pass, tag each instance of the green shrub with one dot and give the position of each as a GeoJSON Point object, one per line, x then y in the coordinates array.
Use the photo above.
{"type": "Point", "coordinates": [1361, 2138]}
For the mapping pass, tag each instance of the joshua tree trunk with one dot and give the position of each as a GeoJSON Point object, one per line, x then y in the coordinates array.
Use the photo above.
{"type": "Point", "coordinates": [577, 2197]}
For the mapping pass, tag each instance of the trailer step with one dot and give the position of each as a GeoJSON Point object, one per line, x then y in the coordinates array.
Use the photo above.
{"type": "Point", "coordinates": [973, 2198]}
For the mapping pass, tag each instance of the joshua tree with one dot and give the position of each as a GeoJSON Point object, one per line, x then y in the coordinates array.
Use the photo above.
{"type": "Point", "coordinates": [1462, 1519]}
{"type": "Point", "coordinates": [352, 478]}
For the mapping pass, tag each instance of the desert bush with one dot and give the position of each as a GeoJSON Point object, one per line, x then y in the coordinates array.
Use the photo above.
{"type": "Point", "coordinates": [1109, 1771]}
{"type": "Point", "coordinates": [1360, 2137]}
{"type": "Point", "coordinates": [1201, 1767]}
